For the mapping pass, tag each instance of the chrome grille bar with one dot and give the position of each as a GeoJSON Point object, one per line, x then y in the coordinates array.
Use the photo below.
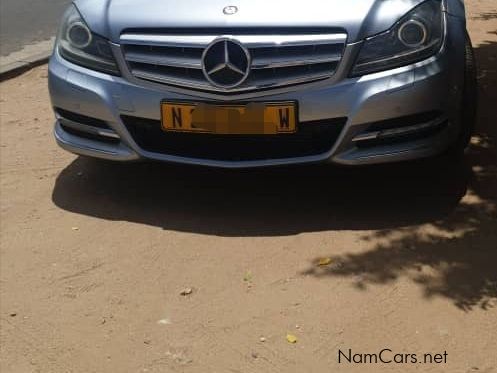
{"type": "Point", "coordinates": [271, 63]}
{"type": "Point", "coordinates": [196, 84]}
{"type": "Point", "coordinates": [251, 41]}
{"type": "Point", "coordinates": [157, 59]}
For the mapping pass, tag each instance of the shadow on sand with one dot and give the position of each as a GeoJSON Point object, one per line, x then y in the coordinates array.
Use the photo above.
{"type": "Point", "coordinates": [393, 200]}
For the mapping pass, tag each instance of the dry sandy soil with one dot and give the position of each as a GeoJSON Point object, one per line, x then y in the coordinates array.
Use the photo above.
{"type": "Point", "coordinates": [94, 255]}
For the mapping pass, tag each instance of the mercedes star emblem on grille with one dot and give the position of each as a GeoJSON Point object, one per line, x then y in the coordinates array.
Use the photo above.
{"type": "Point", "coordinates": [226, 63]}
{"type": "Point", "coordinates": [230, 10]}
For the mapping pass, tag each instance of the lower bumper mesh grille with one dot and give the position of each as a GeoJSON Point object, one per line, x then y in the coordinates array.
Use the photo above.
{"type": "Point", "coordinates": [312, 138]}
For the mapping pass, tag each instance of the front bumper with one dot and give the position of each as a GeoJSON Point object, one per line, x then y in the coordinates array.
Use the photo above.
{"type": "Point", "coordinates": [433, 85]}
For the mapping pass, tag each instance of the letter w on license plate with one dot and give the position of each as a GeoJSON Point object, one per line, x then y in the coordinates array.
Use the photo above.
{"type": "Point", "coordinates": [250, 119]}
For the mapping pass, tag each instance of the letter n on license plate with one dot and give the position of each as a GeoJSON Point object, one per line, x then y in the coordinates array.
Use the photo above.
{"type": "Point", "coordinates": [250, 119]}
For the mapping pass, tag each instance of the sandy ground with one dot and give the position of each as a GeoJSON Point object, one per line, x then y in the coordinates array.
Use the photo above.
{"type": "Point", "coordinates": [94, 255]}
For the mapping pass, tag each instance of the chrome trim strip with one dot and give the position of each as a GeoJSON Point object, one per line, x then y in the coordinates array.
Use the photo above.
{"type": "Point", "coordinates": [189, 41]}
{"type": "Point", "coordinates": [250, 41]}
{"type": "Point", "coordinates": [366, 136]}
{"type": "Point", "coordinates": [398, 131]}
{"type": "Point", "coordinates": [87, 128]}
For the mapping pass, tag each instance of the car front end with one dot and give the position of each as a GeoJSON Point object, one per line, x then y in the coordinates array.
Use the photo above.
{"type": "Point", "coordinates": [356, 82]}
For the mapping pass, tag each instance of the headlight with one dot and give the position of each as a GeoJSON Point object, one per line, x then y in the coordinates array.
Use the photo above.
{"type": "Point", "coordinates": [77, 44]}
{"type": "Point", "coordinates": [417, 36]}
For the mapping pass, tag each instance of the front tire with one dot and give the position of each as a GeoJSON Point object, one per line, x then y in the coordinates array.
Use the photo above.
{"type": "Point", "coordinates": [468, 103]}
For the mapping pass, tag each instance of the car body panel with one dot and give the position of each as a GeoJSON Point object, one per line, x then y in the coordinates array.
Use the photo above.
{"type": "Point", "coordinates": [360, 18]}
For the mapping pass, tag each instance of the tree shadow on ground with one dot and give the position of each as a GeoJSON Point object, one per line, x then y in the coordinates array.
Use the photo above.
{"type": "Point", "coordinates": [398, 201]}
{"type": "Point", "coordinates": [456, 256]}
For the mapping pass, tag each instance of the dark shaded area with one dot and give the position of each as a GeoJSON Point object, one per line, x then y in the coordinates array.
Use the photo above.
{"type": "Point", "coordinates": [456, 256]}
{"type": "Point", "coordinates": [286, 201]}
{"type": "Point", "coordinates": [270, 202]}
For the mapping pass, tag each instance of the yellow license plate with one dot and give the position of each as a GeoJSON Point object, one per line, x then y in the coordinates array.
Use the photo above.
{"type": "Point", "coordinates": [249, 119]}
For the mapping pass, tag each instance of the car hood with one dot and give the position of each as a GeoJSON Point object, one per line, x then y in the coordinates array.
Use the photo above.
{"type": "Point", "coordinates": [359, 18]}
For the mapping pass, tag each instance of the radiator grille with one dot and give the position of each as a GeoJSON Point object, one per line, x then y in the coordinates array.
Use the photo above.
{"type": "Point", "coordinates": [276, 59]}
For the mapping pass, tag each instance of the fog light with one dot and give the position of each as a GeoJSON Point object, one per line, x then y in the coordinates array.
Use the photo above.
{"type": "Point", "coordinates": [413, 33]}
{"type": "Point", "coordinates": [79, 35]}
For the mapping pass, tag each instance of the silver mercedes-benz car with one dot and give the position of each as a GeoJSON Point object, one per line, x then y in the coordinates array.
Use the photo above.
{"type": "Point", "coordinates": [235, 83]}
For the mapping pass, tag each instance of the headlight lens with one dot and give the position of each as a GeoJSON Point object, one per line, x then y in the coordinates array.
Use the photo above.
{"type": "Point", "coordinates": [417, 36]}
{"type": "Point", "coordinates": [77, 44]}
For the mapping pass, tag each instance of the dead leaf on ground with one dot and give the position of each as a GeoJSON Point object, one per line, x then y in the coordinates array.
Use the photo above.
{"type": "Point", "coordinates": [248, 276]}
{"type": "Point", "coordinates": [186, 291]}
{"type": "Point", "coordinates": [324, 262]}
{"type": "Point", "coordinates": [291, 338]}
